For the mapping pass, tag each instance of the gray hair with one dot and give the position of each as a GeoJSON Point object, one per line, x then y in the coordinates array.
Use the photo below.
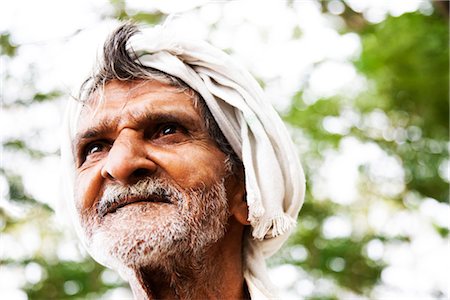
{"type": "Point", "coordinates": [120, 63]}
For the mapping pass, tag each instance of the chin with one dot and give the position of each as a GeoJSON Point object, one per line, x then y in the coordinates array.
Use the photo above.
{"type": "Point", "coordinates": [137, 236]}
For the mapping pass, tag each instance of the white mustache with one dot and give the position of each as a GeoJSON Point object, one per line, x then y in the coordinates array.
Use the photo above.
{"type": "Point", "coordinates": [149, 189]}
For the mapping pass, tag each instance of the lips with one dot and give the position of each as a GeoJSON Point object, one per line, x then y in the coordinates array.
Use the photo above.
{"type": "Point", "coordinates": [112, 207]}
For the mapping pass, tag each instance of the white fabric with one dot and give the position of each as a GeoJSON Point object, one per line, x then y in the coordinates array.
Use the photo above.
{"type": "Point", "coordinates": [275, 182]}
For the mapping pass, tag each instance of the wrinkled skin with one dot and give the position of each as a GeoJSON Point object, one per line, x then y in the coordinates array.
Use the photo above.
{"type": "Point", "coordinates": [146, 130]}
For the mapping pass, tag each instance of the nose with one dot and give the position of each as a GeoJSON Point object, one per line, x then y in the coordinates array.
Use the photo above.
{"type": "Point", "coordinates": [127, 160]}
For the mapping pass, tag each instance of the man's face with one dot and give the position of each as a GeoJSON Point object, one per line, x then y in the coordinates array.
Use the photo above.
{"type": "Point", "coordinates": [150, 181]}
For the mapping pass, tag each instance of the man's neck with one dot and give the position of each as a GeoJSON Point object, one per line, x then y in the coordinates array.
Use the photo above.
{"type": "Point", "coordinates": [217, 274]}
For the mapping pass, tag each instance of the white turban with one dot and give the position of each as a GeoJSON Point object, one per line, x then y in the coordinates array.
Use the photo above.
{"type": "Point", "coordinates": [275, 182]}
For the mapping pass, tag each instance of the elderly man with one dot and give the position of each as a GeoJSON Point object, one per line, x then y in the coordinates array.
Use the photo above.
{"type": "Point", "coordinates": [181, 176]}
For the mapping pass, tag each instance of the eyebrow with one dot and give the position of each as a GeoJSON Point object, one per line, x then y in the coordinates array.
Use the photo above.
{"type": "Point", "coordinates": [142, 118]}
{"type": "Point", "coordinates": [104, 127]}
{"type": "Point", "coordinates": [138, 118]}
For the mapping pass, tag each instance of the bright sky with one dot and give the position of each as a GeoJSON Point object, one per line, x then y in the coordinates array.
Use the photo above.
{"type": "Point", "coordinates": [60, 39]}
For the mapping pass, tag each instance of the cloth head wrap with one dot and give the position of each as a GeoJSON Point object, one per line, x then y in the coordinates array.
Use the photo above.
{"type": "Point", "coordinates": [274, 178]}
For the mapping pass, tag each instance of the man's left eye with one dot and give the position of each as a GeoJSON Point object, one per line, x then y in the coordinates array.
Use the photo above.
{"type": "Point", "coordinates": [169, 129]}
{"type": "Point", "coordinates": [172, 131]}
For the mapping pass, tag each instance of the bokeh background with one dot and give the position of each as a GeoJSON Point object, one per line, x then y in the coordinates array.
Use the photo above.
{"type": "Point", "coordinates": [362, 85]}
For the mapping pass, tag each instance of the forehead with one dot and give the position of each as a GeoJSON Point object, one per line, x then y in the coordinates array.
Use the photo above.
{"type": "Point", "coordinates": [120, 99]}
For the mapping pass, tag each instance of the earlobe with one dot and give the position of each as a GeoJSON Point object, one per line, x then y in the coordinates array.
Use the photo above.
{"type": "Point", "coordinates": [238, 207]}
{"type": "Point", "coordinates": [235, 186]}
{"type": "Point", "coordinates": [240, 212]}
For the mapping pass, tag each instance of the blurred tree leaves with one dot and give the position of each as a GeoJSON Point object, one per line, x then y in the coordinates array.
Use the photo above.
{"type": "Point", "coordinates": [20, 145]}
{"type": "Point", "coordinates": [405, 60]}
{"type": "Point", "coordinates": [6, 46]}
{"type": "Point", "coordinates": [69, 279]}
{"type": "Point", "coordinates": [311, 117]}
{"type": "Point", "coordinates": [17, 191]}
{"type": "Point", "coordinates": [357, 272]}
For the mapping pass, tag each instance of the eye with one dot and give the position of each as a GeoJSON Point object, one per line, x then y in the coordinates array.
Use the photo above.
{"type": "Point", "coordinates": [168, 132]}
{"type": "Point", "coordinates": [95, 147]}
{"type": "Point", "coordinates": [169, 129]}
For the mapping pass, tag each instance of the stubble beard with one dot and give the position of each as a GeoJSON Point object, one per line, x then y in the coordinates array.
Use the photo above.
{"type": "Point", "coordinates": [160, 236]}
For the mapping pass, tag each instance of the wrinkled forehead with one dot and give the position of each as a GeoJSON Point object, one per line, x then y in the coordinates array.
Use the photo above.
{"type": "Point", "coordinates": [120, 92]}
{"type": "Point", "coordinates": [117, 95]}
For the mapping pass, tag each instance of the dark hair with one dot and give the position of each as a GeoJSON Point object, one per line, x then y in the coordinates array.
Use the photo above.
{"type": "Point", "coordinates": [120, 63]}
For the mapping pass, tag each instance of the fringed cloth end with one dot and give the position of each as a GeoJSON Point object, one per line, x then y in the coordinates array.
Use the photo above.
{"type": "Point", "coordinates": [272, 227]}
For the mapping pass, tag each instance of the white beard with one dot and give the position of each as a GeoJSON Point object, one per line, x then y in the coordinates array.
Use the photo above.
{"type": "Point", "coordinates": [157, 235]}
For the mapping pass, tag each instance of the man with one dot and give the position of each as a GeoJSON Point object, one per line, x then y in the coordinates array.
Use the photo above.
{"type": "Point", "coordinates": [181, 176]}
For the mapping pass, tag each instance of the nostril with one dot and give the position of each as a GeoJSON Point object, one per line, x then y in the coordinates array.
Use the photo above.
{"type": "Point", "coordinates": [141, 172]}
{"type": "Point", "coordinates": [105, 174]}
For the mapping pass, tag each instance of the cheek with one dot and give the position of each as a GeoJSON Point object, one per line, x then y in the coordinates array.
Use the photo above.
{"type": "Point", "coordinates": [195, 168]}
{"type": "Point", "coordinates": [88, 184]}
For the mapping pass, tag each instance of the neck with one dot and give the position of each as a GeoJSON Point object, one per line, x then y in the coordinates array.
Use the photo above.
{"type": "Point", "coordinates": [217, 273]}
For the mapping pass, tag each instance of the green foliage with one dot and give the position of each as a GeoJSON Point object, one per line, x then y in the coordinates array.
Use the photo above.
{"type": "Point", "coordinates": [122, 13]}
{"type": "Point", "coordinates": [355, 270]}
{"type": "Point", "coordinates": [311, 117]}
{"type": "Point", "coordinates": [407, 58]}
{"type": "Point", "coordinates": [6, 46]}
{"type": "Point", "coordinates": [38, 97]}
{"type": "Point", "coordinates": [19, 145]}
{"type": "Point", "coordinates": [69, 280]}
{"type": "Point", "coordinates": [17, 191]}
{"type": "Point", "coordinates": [149, 18]}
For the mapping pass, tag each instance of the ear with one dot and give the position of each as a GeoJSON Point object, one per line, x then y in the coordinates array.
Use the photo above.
{"type": "Point", "coordinates": [240, 213]}
{"type": "Point", "coordinates": [237, 204]}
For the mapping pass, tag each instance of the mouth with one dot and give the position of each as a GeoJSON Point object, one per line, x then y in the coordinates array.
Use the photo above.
{"type": "Point", "coordinates": [112, 207]}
